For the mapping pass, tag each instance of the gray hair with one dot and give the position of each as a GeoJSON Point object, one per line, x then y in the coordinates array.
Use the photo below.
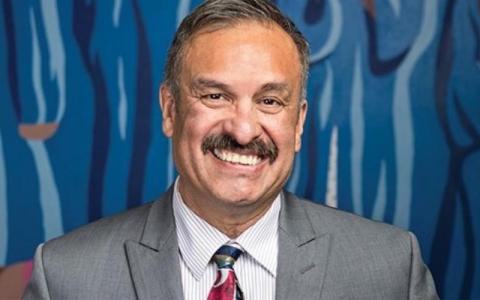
{"type": "Point", "coordinates": [218, 14]}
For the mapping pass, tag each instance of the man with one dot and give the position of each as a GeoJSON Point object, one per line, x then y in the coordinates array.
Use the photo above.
{"type": "Point", "coordinates": [233, 102]}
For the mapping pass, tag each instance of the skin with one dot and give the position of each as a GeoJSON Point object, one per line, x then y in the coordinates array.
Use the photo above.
{"type": "Point", "coordinates": [243, 81]}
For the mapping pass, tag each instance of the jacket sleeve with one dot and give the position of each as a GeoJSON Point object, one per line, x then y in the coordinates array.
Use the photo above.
{"type": "Point", "coordinates": [37, 287]}
{"type": "Point", "coordinates": [421, 284]}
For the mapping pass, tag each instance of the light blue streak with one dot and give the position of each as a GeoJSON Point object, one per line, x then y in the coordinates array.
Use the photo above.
{"type": "Point", "coordinates": [182, 10]}
{"type": "Point", "coordinates": [295, 176]}
{"type": "Point", "coordinates": [396, 6]}
{"type": "Point", "coordinates": [402, 115]}
{"type": "Point", "coordinates": [56, 51]}
{"type": "Point", "coordinates": [331, 197]}
{"type": "Point", "coordinates": [122, 104]}
{"type": "Point", "coordinates": [335, 33]}
{"type": "Point", "coordinates": [3, 207]}
{"type": "Point", "coordinates": [381, 199]}
{"type": "Point", "coordinates": [326, 97]}
{"type": "Point", "coordinates": [117, 8]}
{"type": "Point", "coordinates": [357, 127]}
{"type": "Point", "coordinates": [49, 197]}
{"type": "Point", "coordinates": [37, 72]}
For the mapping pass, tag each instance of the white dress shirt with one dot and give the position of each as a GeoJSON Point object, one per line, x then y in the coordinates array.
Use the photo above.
{"type": "Point", "coordinates": [256, 268]}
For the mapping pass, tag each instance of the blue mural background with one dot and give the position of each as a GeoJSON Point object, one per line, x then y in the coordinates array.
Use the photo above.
{"type": "Point", "coordinates": [393, 131]}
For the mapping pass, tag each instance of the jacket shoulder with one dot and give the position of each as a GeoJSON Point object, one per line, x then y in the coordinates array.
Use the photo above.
{"type": "Point", "coordinates": [329, 219]}
{"type": "Point", "coordinates": [99, 237]}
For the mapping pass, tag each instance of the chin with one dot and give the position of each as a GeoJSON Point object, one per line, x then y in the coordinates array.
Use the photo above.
{"type": "Point", "coordinates": [235, 198]}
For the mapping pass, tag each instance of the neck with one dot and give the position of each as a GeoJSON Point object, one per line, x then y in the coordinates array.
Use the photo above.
{"type": "Point", "coordinates": [229, 218]}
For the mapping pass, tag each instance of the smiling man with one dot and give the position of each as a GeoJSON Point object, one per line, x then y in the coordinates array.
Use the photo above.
{"type": "Point", "coordinates": [233, 103]}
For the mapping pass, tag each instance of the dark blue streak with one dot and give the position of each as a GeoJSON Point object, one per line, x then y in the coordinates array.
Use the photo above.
{"type": "Point", "coordinates": [12, 58]}
{"type": "Point", "coordinates": [377, 65]}
{"type": "Point", "coordinates": [470, 258]}
{"type": "Point", "coordinates": [314, 11]}
{"type": "Point", "coordinates": [455, 186]}
{"type": "Point", "coordinates": [83, 23]}
{"type": "Point", "coordinates": [476, 31]}
{"type": "Point", "coordinates": [440, 252]}
{"type": "Point", "coordinates": [142, 126]}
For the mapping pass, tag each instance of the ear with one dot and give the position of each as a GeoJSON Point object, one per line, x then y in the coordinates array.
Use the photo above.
{"type": "Point", "coordinates": [300, 122]}
{"type": "Point", "coordinates": [167, 104]}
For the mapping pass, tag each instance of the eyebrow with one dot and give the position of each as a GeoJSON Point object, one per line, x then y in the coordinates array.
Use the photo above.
{"type": "Point", "coordinates": [201, 83]}
{"type": "Point", "coordinates": [274, 87]}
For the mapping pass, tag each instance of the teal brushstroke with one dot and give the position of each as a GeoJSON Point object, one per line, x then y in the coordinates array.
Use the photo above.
{"type": "Point", "coordinates": [3, 208]}
{"type": "Point", "coordinates": [49, 197]}
{"type": "Point", "coordinates": [56, 51]}
{"type": "Point", "coordinates": [37, 72]}
{"type": "Point", "coordinates": [335, 33]}
{"type": "Point", "coordinates": [402, 115]}
{"type": "Point", "coordinates": [357, 127]}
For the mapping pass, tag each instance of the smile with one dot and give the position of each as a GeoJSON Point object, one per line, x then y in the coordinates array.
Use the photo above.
{"type": "Point", "coordinates": [235, 158]}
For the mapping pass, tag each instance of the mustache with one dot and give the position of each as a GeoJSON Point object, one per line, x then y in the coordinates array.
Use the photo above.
{"type": "Point", "coordinates": [224, 141]}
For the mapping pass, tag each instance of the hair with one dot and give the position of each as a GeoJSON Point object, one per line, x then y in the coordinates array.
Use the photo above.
{"type": "Point", "coordinates": [217, 14]}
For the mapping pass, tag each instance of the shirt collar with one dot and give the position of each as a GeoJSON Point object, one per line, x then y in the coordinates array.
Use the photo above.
{"type": "Point", "coordinates": [198, 240]}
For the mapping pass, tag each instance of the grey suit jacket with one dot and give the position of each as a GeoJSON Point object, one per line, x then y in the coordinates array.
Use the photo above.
{"type": "Point", "coordinates": [323, 254]}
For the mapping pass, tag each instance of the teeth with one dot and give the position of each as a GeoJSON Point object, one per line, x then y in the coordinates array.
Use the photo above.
{"type": "Point", "coordinates": [236, 158]}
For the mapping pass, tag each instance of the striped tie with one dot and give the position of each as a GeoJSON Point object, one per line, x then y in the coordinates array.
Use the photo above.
{"type": "Point", "coordinates": [226, 285]}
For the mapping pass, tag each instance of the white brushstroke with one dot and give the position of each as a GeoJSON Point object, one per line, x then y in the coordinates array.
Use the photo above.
{"type": "Point", "coordinates": [326, 96]}
{"type": "Point", "coordinates": [335, 33]}
{"type": "Point", "coordinates": [402, 115]}
{"type": "Point", "coordinates": [295, 176]}
{"type": "Point", "coordinates": [357, 128]}
{"type": "Point", "coordinates": [49, 197]}
{"type": "Point", "coordinates": [37, 72]}
{"type": "Point", "coordinates": [182, 10]}
{"type": "Point", "coordinates": [122, 103]}
{"type": "Point", "coordinates": [56, 50]}
{"type": "Point", "coordinates": [381, 199]}
{"type": "Point", "coordinates": [332, 184]}
{"type": "Point", "coordinates": [117, 8]}
{"type": "Point", "coordinates": [3, 208]}
{"type": "Point", "coordinates": [396, 6]}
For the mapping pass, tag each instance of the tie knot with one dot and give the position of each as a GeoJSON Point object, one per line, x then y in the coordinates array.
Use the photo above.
{"type": "Point", "coordinates": [226, 256]}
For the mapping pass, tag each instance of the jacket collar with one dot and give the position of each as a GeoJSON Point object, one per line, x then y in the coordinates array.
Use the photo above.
{"type": "Point", "coordinates": [303, 253]}
{"type": "Point", "coordinates": [302, 256]}
{"type": "Point", "coordinates": [154, 262]}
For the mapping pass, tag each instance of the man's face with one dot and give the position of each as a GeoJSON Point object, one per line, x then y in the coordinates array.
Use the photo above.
{"type": "Point", "coordinates": [240, 89]}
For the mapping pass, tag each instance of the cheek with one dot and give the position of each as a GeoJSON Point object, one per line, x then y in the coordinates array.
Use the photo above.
{"type": "Point", "coordinates": [281, 131]}
{"type": "Point", "coordinates": [196, 124]}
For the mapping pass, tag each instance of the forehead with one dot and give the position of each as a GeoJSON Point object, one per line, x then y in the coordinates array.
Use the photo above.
{"type": "Point", "coordinates": [243, 48]}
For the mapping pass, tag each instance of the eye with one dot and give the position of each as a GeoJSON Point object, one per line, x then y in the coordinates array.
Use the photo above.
{"type": "Point", "coordinates": [217, 96]}
{"type": "Point", "coordinates": [270, 105]}
{"type": "Point", "coordinates": [214, 100]}
{"type": "Point", "coordinates": [270, 102]}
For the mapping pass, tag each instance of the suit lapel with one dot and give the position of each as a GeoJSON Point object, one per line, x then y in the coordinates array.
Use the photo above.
{"type": "Point", "coordinates": [303, 253]}
{"type": "Point", "coordinates": [153, 261]}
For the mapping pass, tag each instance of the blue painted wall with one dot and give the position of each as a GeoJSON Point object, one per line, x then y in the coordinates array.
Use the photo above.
{"type": "Point", "coordinates": [393, 131]}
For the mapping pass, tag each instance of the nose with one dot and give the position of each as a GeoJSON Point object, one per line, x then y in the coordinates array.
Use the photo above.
{"type": "Point", "coordinates": [243, 124]}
